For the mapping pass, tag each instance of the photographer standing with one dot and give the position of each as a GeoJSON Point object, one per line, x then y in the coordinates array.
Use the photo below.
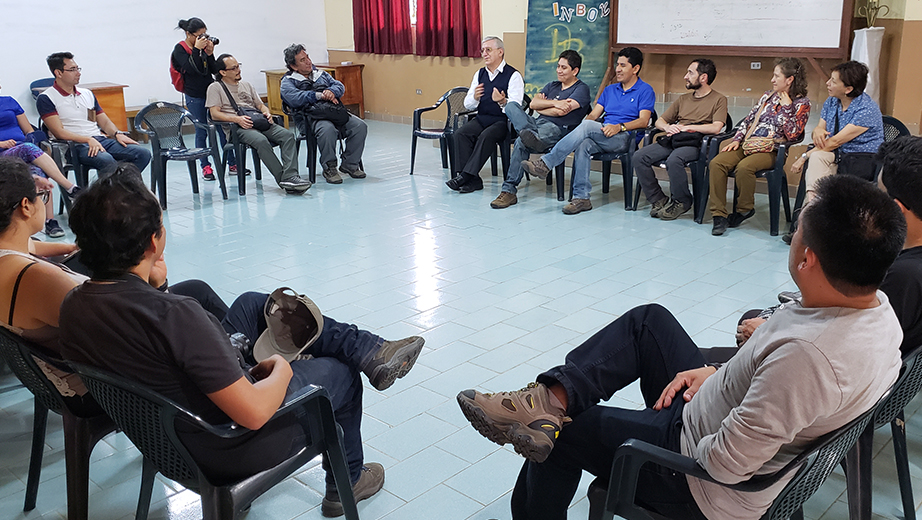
{"type": "Point", "coordinates": [192, 68]}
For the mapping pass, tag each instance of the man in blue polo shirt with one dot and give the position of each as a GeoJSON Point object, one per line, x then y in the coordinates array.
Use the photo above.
{"type": "Point", "coordinates": [627, 105]}
{"type": "Point", "coordinates": [73, 114]}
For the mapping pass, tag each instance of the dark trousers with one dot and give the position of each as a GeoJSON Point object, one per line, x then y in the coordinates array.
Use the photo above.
{"type": "Point", "coordinates": [475, 144]}
{"type": "Point", "coordinates": [676, 159]}
{"type": "Point", "coordinates": [646, 343]}
{"type": "Point", "coordinates": [205, 295]}
{"type": "Point", "coordinates": [338, 357]}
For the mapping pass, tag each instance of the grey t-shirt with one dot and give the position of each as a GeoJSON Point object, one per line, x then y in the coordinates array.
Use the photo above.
{"type": "Point", "coordinates": [244, 94]}
{"type": "Point", "coordinates": [802, 374]}
{"type": "Point", "coordinates": [578, 91]}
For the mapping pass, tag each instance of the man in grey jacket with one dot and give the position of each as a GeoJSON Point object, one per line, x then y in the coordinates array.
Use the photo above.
{"type": "Point", "coordinates": [819, 362]}
{"type": "Point", "coordinates": [302, 87]}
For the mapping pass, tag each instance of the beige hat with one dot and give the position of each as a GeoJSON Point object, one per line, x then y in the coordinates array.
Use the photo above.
{"type": "Point", "coordinates": [294, 323]}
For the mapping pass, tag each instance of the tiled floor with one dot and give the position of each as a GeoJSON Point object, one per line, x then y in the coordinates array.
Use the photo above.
{"type": "Point", "coordinates": [498, 295]}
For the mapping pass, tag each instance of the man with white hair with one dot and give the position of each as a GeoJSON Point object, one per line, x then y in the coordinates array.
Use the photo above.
{"type": "Point", "coordinates": [494, 85]}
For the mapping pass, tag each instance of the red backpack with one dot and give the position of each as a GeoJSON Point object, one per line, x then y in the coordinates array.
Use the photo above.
{"type": "Point", "coordinates": [176, 76]}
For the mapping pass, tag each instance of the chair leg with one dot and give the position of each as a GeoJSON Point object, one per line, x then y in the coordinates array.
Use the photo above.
{"type": "Point", "coordinates": [148, 472]}
{"type": "Point", "coordinates": [77, 449]}
{"type": "Point", "coordinates": [898, 427]}
{"type": "Point", "coordinates": [627, 174]}
{"type": "Point", "coordinates": [221, 180]}
{"type": "Point", "coordinates": [493, 163]}
{"type": "Point", "coordinates": [413, 153]}
{"type": "Point", "coordinates": [257, 164]}
{"type": "Point", "coordinates": [504, 152]}
{"type": "Point", "coordinates": [239, 153]}
{"type": "Point", "coordinates": [193, 176]}
{"type": "Point", "coordinates": [700, 178]}
{"type": "Point", "coordinates": [161, 181]}
{"type": "Point", "coordinates": [39, 423]}
{"type": "Point", "coordinates": [774, 202]}
{"type": "Point", "coordinates": [443, 149]}
{"type": "Point", "coordinates": [858, 476]}
{"type": "Point", "coordinates": [606, 176]}
{"type": "Point", "coordinates": [560, 171]}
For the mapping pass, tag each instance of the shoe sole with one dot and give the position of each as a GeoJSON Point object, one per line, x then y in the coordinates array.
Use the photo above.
{"type": "Point", "coordinates": [211, 178]}
{"type": "Point", "coordinates": [502, 434]}
{"type": "Point", "coordinates": [55, 235]}
{"type": "Point", "coordinates": [565, 212]}
{"type": "Point", "coordinates": [334, 181]}
{"type": "Point", "coordinates": [532, 142]}
{"type": "Point", "coordinates": [530, 168]}
{"type": "Point", "coordinates": [398, 366]}
{"type": "Point", "coordinates": [465, 189]}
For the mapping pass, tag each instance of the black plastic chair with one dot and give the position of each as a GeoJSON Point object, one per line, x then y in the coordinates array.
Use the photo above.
{"type": "Point", "coordinates": [38, 86]}
{"type": "Point", "coordinates": [80, 433]}
{"type": "Point", "coordinates": [454, 103]}
{"type": "Point", "coordinates": [698, 170]}
{"type": "Point", "coordinates": [150, 421]}
{"type": "Point", "coordinates": [239, 148]}
{"type": "Point", "coordinates": [889, 411]}
{"type": "Point", "coordinates": [59, 149]}
{"type": "Point", "coordinates": [810, 469]}
{"type": "Point", "coordinates": [627, 166]}
{"type": "Point", "coordinates": [163, 122]}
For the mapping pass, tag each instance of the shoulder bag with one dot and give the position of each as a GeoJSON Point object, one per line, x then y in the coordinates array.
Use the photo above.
{"type": "Point", "coordinates": [260, 122]}
{"type": "Point", "coordinates": [752, 145]}
{"type": "Point", "coordinates": [858, 164]}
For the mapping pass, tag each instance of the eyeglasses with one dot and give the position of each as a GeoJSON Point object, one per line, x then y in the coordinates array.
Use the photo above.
{"type": "Point", "coordinates": [235, 67]}
{"type": "Point", "coordinates": [487, 50]}
{"type": "Point", "coordinates": [45, 195]}
{"type": "Point", "coordinates": [73, 69]}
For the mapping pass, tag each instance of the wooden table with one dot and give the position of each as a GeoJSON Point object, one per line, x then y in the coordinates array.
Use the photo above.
{"type": "Point", "coordinates": [349, 75]}
{"type": "Point", "coordinates": [111, 98]}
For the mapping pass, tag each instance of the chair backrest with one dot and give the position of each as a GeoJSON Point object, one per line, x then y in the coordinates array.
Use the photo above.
{"type": "Point", "coordinates": [893, 128]}
{"type": "Point", "coordinates": [18, 354]}
{"type": "Point", "coordinates": [729, 124]}
{"type": "Point", "coordinates": [455, 103]}
{"type": "Point", "coordinates": [149, 421]}
{"type": "Point", "coordinates": [906, 387]}
{"type": "Point", "coordinates": [38, 86]}
{"type": "Point", "coordinates": [818, 460]}
{"type": "Point", "coordinates": [163, 122]}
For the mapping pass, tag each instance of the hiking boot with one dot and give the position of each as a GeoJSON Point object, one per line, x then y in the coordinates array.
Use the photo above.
{"type": "Point", "coordinates": [736, 219]}
{"type": "Point", "coordinates": [295, 184]}
{"type": "Point", "coordinates": [526, 419]}
{"type": "Point", "coordinates": [330, 173]}
{"type": "Point", "coordinates": [355, 173]}
{"type": "Point", "coordinates": [658, 207]}
{"type": "Point", "coordinates": [392, 361]}
{"type": "Point", "coordinates": [674, 210]}
{"type": "Point", "coordinates": [53, 229]}
{"type": "Point", "coordinates": [531, 141]}
{"type": "Point", "coordinates": [720, 226]}
{"type": "Point", "coordinates": [577, 206]}
{"type": "Point", "coordinates": [208, 173]}
{"type": "Point", "coordinates": [504, 200]}
{"type": "Point", "coordinates": [370, 482]}
{"type": "Point", "coordinates": [537, 168]}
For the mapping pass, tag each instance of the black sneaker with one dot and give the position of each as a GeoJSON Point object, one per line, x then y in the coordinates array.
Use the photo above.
{"type": "Point", "coordinates": [720, 226]}
{"type": "Point", "coordinates": [392, 361]}
{"type": "Point", "coordinates": [736, 219]}
{"type": "Point", "coordinates": [53, 229]}
{"type": "Point", "coordinates": [295, 184]}
{"type": "Point", "coordinates": [370, 482]}
{"type": "Point", "coordinates": [471, 184]}
{"type": "Point", "coordinates": [70, 197]}
{"type": "Point", "coordinates": [531, 141]}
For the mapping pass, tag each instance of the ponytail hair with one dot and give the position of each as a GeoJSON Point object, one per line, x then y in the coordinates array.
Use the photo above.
{"type": "Point", "coordinates": [793, 67]}
{"type": "Point", "coordinates": [191, 25]}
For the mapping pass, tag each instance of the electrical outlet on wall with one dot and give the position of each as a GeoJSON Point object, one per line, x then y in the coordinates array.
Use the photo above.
{"type": "Point", "coordinates": [419, 92]}
{"type": "Point", "coordinates": [755, 65]}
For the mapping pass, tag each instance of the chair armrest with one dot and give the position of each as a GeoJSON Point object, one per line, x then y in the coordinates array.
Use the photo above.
{"type": "Point", "coordinates": [417, 115]}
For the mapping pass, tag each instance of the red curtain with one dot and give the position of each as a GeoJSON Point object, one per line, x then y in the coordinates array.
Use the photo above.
{"type": "Point", "coordinates": [448, 28]}
{"type": "Point", "coordinates": [382, 26]}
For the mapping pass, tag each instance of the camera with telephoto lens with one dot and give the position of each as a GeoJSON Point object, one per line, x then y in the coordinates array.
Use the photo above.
{"type": "Point", "coordinates": [211, 38]}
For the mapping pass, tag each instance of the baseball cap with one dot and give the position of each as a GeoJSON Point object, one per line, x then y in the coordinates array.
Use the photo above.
{"type": "Point", "coordinates": [293, 322]}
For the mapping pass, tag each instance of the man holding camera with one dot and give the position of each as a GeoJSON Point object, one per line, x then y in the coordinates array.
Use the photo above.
{"type": "Point", "coordinates": [229, 98]}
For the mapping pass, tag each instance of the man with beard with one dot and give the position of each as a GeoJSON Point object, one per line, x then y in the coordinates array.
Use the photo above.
{"type": "Point", "coordinates": [701, 111]}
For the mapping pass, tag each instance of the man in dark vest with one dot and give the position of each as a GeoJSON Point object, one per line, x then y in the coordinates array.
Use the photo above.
{"type": "Point", "coordinates": [493, 86]}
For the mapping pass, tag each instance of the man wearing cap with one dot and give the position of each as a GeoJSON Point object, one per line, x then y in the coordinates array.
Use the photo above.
{"type": "Point", "coordinates": [168, 343]}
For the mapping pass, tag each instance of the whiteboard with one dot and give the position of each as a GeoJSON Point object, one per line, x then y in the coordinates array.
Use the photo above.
{"type": "Point", "coordinates": [756, 24]}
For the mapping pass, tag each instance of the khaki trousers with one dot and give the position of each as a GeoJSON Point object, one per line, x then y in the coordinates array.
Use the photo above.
{"type": "Point", "coordinates": [821, 164]}
{"type": "Point", "coordinates": [746, 168]}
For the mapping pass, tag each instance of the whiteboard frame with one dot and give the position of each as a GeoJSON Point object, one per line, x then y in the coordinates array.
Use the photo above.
{"type": "Point", "coordinates": [840, 52]}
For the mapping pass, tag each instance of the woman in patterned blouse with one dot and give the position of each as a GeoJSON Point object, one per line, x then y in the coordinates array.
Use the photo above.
{"type": "Point", "coordinates": [779, 117]}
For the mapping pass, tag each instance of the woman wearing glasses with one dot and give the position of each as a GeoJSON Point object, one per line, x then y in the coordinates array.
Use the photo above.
{"type": "Point", "coordinates": [15, 133]}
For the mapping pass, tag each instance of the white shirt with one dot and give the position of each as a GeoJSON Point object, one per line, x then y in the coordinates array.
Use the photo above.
{"type": "Point", "coordinates": [515, 93]}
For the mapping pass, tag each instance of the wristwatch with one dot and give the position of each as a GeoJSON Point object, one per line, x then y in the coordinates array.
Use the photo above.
{"type": "Point", "coordinates": [623, 129]}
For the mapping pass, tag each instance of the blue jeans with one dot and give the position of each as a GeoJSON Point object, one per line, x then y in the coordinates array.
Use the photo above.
{"type": "Point", "coordinates": [197, 107]}
{"type": "Point", "coordinates": [106, 162]}
{"type": "Point", "coordinates": [339, 355]}
{"type": "Point", "coordinates": [646, 343]}
{"type": "Point", "coordinates": [585, 140]}
{"type": "Point", "coordinates": [545, 130]}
